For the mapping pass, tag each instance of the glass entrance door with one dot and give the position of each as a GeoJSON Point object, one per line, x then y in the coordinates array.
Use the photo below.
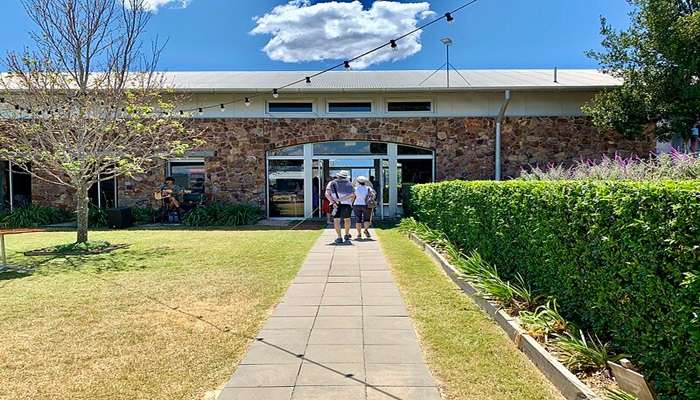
{"type": "Point", "coordinates": [298, 175]}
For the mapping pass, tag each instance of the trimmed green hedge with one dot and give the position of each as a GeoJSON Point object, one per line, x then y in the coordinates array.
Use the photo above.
{"type": "Point", "coordinates": [621, 258]}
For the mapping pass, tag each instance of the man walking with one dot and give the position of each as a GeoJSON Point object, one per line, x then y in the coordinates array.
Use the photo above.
{"type": "Point", "coordinates": [341, 194]}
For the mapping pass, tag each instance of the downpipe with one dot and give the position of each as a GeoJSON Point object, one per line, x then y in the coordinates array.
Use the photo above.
{"type": "Point", "coordinates": [499, 123]}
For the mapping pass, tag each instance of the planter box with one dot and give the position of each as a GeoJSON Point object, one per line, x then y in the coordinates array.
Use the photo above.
{"type": "Point", "coordinates": [566, 382]}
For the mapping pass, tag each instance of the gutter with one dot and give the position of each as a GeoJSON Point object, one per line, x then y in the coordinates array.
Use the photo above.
{"type": "Point", "coordinates": [499, 121]}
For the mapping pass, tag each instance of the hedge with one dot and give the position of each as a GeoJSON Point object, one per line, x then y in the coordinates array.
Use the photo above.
{"type": "Point", "coordinates": [621, 258]}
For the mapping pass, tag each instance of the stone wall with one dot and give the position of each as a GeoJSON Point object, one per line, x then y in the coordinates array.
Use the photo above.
{"type": "Point", "coordinates": [464, 148]}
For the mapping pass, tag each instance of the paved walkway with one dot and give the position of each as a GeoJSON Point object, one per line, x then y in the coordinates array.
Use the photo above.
{"type": "Point", "coordinates": [341, 332]}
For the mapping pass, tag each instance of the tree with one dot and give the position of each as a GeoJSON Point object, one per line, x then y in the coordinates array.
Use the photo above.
{"type": "Point", "coordinates": [87, 103]}
{"type": "Point", "coordinates": [658, 58]}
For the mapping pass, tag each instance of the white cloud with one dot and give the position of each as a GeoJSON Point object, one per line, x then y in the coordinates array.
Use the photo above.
{"type": "Point", "coordinates": [338, 31]}
{"type": "Point", "coordinates": [155, 5]}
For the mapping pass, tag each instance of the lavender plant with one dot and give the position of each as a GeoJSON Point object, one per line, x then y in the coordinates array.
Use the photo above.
{"type": "Point", "coordinates": [673, 166]}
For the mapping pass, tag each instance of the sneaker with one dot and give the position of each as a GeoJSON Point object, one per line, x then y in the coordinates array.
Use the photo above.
{"type": "Point", "coordinates": [347, 237]}
{"type": "Point", "coordinates": [358, 237]}
{"type": "Point", "coordinates": [367, 234]}
{"type": "Point", "coordinates": [339, 241]}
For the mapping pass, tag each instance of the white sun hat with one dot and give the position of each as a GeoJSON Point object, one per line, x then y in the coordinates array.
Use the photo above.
{"type": "Point", "coordinates": [342, 174]}
{"type": "Point", "coordinates": [361, 179]}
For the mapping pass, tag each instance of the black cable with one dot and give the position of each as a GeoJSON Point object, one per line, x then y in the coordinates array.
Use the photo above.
{"type": "Point", "coordinates": [250, 97]}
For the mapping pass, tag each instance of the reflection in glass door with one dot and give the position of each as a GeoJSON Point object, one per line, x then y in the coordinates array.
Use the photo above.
{"type": "Point", "coordinates": [286, 188]}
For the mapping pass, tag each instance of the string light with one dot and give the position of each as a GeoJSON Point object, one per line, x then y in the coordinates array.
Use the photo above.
{"type": "Point", "coordinates": [393, 43]}
{"type": "Point", "coordinates": [2, 100]}
{"type": "Point", "coordinates": [182, 113]}
{"type": "Point", "coordinates": [223, 108]}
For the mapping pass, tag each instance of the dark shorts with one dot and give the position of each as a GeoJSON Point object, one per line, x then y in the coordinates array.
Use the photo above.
{"type": "Point", "coordinates": [344, 211]}
{"type": "Point", "coordinates": [362, 214]}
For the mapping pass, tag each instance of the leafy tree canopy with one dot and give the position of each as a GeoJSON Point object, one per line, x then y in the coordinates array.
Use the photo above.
{"type": "Point", "coordinates": [658, 57]}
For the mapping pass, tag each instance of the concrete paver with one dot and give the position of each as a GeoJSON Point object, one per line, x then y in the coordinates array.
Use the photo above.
{"type": "Point", "coordinates": [341, 332]}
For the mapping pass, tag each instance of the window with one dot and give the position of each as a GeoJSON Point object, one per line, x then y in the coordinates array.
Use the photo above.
{"type": "Point", "coordinates": [104, 193]}
{"type": "Point", "coordinates": [413, 151]}
{"type": "Point", "coordinates": [350, 107]}
{"type": "Point", "coordinates": [189, 174]}
{"type": "Point", "coordinates": [15, 187]}
{"type": "Point", "coordinates": [349, 148]}
{"type": "Point", "coordinates": [286, 188]}
{"type": "Point", "coordinates": [288, 151]}
{"type": "Point", "coordinates": [410, 106]}
{"type": "Point", "coordinates": [290, 107]}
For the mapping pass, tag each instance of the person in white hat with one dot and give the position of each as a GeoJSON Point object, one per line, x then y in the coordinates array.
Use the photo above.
{"type": "Point", "coordinates": [364, 196]}
{"type": "Point", "coordinates": [341, 194]}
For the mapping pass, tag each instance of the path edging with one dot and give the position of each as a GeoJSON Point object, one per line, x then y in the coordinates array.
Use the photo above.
{"type": "Point", "coordinates": [566, 382]}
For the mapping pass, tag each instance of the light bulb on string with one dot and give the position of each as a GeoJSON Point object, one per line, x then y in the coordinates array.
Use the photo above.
{"type": "Point", "coordinates": [308, 80]}
{"type": "Point", "coordinates": [346, 64]}
{"type": "Point", "coordinates": [247, 102]}
{"type": "Point", "coordinates": [223, 108]}
{"type": "Point", "coordinates": [275, 93]}
{"type": "Point", "coordinates": [449, 18]}
{"type": "Point", "coordinates": [394, 46]}
{"type": "Point", "coordinates": [200, 111]}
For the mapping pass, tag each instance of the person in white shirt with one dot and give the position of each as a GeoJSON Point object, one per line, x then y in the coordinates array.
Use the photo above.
{"type": "Point", "coordinates": [365, 196]}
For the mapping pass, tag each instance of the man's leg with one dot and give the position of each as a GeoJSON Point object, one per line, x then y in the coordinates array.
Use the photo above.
{"type": "Point", "coordinates": [348, 223]}
{"type": "Point", "coordinates": [336, 225]}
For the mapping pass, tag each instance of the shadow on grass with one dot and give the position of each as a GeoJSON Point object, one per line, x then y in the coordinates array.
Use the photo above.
{"type": "Point", "coordinates": [122, 259]}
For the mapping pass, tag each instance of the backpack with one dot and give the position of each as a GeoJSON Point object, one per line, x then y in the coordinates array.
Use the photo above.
{"type": "Point", "coordinates": [371, 199]}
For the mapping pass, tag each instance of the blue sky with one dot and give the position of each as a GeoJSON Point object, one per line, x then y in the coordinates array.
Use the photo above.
{"type": "Point", "coordinates": [216, 35]}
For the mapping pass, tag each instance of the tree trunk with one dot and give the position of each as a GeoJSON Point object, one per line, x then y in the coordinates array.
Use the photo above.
{"type": "Point", "coordinates": [82, 213]}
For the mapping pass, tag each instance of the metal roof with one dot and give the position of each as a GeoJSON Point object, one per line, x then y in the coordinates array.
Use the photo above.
{"type": "Point", "coordinates": [414, 80]}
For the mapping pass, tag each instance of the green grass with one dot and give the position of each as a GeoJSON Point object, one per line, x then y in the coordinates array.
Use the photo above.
{"type": "Point", "coordinates": [125, 325]}
{"type": "Point", "coordinates": [466, 351]}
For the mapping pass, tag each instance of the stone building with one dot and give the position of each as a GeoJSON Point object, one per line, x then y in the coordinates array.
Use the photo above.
{"type": "Point", "coordinates": [395, 127]}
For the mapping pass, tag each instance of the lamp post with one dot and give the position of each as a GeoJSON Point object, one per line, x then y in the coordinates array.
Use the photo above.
{"type": "Point", "coordinates": [447, 42]}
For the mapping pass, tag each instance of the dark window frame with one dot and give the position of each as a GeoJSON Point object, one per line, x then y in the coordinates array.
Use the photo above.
{"type": "Point", "coordinates": [406, 106]}
{"type": "Point", "coordinates": [347, 103]}
{"type": "Point", "coordinates": [291, 105]}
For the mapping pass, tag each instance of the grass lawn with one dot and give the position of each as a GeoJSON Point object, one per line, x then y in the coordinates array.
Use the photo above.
{"type": "Point", "coordinates": [116, 326]}
{"type": "Point", "coordinates": [467, 352]}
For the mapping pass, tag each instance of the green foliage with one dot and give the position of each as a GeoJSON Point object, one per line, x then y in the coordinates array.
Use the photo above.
{"type": "Point", "coordinates": [97, 217]}
{"type": "Point", "coordinates": [33, 216]}
{"type": "Point", "coordinates": [544, 321]}
{"type": "Point", "coordinates": [581, 354]}
{"type": "Point", "coordinates": [514, 296]}
{"type": "Point", "coordinates": [619, 257]}
{"type": "Point", "coordinates": [223, 215]}
{"type": "Point", "coordinates": [619, 395]}
{"type": "Point", "coordinates": [143, 215]}
{"type": "Point", "coordinates": [657, 57]}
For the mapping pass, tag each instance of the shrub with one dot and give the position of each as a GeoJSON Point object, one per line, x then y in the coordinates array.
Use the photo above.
{"type": "Point", "coordinates": [97, 217]}
{"type": "Point", "coordinates": [143, 215]}
{"type": "Point", "coordinates": [676, 166]}
{"type": "Point", "coordinates": [34, 216]}
{"type": "Point", "coordinates": [223, 215]}
{"type": "Point", "coordinates": [580, 354]}
{"type": "Point", "coordinates": [621, 258]}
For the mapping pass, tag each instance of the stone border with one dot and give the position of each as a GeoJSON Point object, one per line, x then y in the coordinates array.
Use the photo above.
{"type": "Point", "coordinates": [566, 382]}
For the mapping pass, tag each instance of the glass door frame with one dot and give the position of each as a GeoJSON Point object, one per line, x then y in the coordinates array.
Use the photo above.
{"type": "Point", "coordinates": [390, 210]}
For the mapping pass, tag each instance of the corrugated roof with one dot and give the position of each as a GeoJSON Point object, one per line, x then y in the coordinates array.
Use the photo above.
{"type": "Point", "coordinates": [416, 80]}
